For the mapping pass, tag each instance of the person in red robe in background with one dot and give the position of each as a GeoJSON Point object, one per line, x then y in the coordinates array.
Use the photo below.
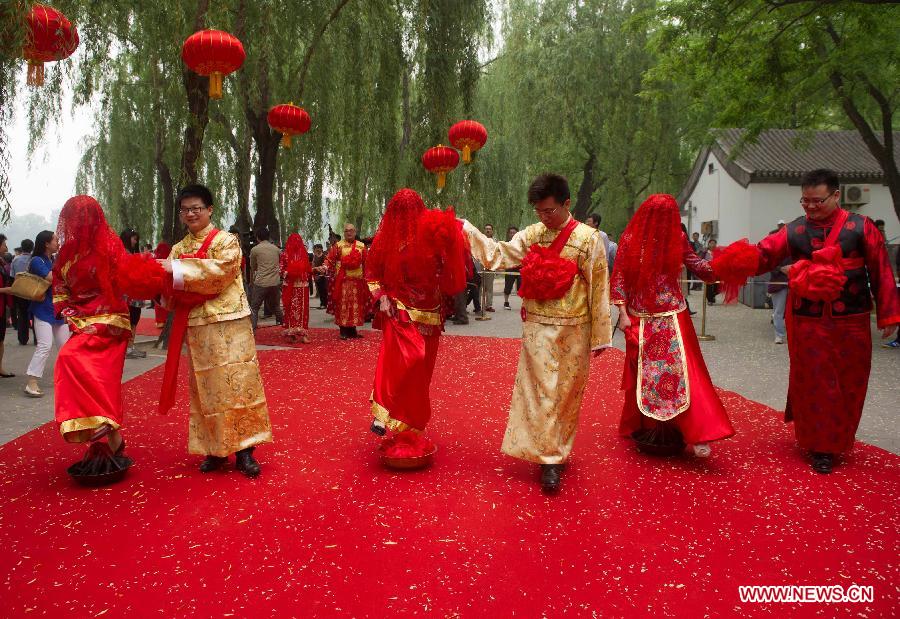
{"type": "Point", "coordinates": [161, 252]}
{"type": "Point", "coordinates": [295, 270]}
{"type": "Point", "coordinates": [417, 261]}
{"type": "Point", "coordinates": [839, 264]}
{"type": "Point", "coordinates": [88, 372]}
{"type": "Point", "coordinates": [666, 383]}
{"type": "Point", "coordinates": [349, 295]}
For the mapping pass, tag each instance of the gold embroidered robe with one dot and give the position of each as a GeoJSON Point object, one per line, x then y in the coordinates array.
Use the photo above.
{"type": "Point", "coordinates": [557, 338]}
{"type": "Point", "coordinates": [228, 404]}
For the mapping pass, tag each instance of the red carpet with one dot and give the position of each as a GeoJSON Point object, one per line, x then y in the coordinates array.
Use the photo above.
{"type": "Point", "coordinates": [326, 532]}
{"type": "Point", "coordinates": [147, 326]}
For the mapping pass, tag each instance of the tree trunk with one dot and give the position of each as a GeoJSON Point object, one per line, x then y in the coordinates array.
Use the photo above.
{"type": "Point", "coordinates": [168, 193]}
{"type": "Point", "coordinates": [267, 143]}
{"type": "Point", "coordinates": [583, 199]}
{"type": "Point", "coordinates": [196, 87]}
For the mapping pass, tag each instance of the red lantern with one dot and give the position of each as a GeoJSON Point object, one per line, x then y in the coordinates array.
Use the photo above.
{"type": "Point", "coordinates": [440, 160]}
{"type": "Point", "coordinates": [289, 120]}
{"type": "Point", "coordinates": [467, 136]}
{"type": "Point", "coordinates": [51, 36]}
{"type": "Point", "coordinates": [214, 53]}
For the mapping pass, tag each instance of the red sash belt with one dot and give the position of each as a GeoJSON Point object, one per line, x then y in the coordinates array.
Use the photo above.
{"type": "Point", "coordinates": [183, 303]}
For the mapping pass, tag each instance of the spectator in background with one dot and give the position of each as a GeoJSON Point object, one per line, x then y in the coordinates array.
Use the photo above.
{"type": "Point", "coordinates": [896, 343]}
{"type": "Point", "coordinates": [778, 290]}
{"type": "Point", "coordinates": [712, 250]}
{"type": "Point", "coordinates": [5, 304]}
{"type": "Point", "coordinates": [511, 280]}
{"type": "Point", "coordinates": [47, 327]}
{"type": "Point", "coordinates": [20, 306]}
{"type": "Point", "coordinates": [265, 275]}
{"type": "Point", "coordinates": [697, 246]}
{"type": "Point", "coordinates": [132, 242]}
{"type": "Point", "coordinates": [879, 223]}
{"type": "Point", "coordinates": [594, 220]}
{"type": "Point", "coordinates": [487, 279]}
{"type": "Point", "coordinates": [318, 260]}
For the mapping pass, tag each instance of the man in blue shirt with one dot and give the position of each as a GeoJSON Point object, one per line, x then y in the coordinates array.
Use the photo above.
{"type": "Point", "coordinates": [20, 306]}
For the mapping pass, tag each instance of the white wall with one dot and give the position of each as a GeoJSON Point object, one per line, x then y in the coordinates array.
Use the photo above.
{"type": "Point", "coordinates": [754, 211]}
{"type": "Point", "coordinates": [717, 196]}
{"type": "Point", "coordinates": [770, 202]}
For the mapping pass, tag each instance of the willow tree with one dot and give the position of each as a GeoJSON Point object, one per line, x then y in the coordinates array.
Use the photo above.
{"type": "Point", "coordinates": [564, 94]}
{"type": "Point", "coordinates": [765, 63]}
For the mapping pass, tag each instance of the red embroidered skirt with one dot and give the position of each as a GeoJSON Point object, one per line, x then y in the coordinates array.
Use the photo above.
{"type": "Point", "coordinates": [704, 419]}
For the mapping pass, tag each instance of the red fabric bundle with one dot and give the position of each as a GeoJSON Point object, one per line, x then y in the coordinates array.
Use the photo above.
{"type": "Point", "coordinates": [298, 270]}
{"type": "Point", "coordinates": [141, 277]}
{"type": "Point", "coordinates": [353, 260]}
{"type": "Point", "coordinates": [407, 444]}
{"type": "Point", "coordinates": [733, 265]}
{"type": "Point", "coordinates": [819, 279]}
{"type": "Point", "coordinates": [440, 234]}
{"type": "Point", "coordinates": [545, 273]}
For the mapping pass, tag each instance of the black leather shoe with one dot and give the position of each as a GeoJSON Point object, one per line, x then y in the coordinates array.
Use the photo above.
{"type": "Point", "coordinates": [212, 463]}
{"type": "Point", "coordinates": [378, 429]}
{"type": "Point", "coordinates": [550, 477]}
{"type": "Point", "coordinates": [823, 463]}
{"type": "Point", "coordinates": [246, 463]}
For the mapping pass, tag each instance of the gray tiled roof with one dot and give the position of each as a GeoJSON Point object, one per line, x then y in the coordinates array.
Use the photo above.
{"type": "Point", "coordinates": [785, 155]}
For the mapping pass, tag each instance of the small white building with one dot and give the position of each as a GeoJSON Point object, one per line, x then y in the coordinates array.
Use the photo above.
{"type": "Point", "coordinates": [735, 193]}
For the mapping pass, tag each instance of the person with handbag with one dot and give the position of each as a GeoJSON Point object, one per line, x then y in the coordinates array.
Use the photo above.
{"type": "Point", "coordinates": [565, 313]}
{"type": "Point", "coordinates": [5, 304]}
{"type": "Point", "coordinates": [48, 329]}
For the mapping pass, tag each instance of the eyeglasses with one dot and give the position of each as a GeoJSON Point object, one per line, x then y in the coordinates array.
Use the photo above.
{"type": "Point", "coordinates": [545, 212]}
{"type": "Point", "coordinates": [193, 210]}
{"type": "Point", "coordinates": [816, 201]}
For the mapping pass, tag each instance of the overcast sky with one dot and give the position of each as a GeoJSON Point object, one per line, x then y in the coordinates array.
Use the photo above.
{"type": "Point", "coordinates": [45, 182]}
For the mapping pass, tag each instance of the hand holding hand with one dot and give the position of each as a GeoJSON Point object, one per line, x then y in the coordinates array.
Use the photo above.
{"type": "Point", "coordinates": [385, 305]}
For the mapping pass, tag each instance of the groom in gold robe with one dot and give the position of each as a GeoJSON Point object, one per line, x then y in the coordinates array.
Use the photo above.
{"type": "Point", "coordinates": [229, 414]}
{"type": "Point", "coordinates": [559, 335]}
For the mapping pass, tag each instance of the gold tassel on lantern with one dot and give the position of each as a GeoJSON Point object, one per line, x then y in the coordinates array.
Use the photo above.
{"type": "Point", "coordinates": [35, 74]}
{"type": "Point", "coordinates": [215, 85]}
{"type": "Point", "coordinates": [286, 140]}
{"type": "Point", "coordinates": [467, 154]}
{"type": "Point", "coordinates": [441, 180]}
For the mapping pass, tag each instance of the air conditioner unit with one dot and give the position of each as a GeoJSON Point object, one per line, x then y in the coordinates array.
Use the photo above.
{"type": "Point", "coordinates": [855, 194]}
{"type": "Point", "coordinates": [710, 228]}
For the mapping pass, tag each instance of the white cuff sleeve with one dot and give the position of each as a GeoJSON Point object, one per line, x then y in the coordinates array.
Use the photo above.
{"type": "Point", "coordinates": [177, 275]}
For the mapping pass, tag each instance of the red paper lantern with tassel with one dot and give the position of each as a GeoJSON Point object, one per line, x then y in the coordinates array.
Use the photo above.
{"type": "Point", "coordinates": [440, 160]}
{"type": "Point", "coordinates": [289, 120]}
{"type": "Point", "coordinates": [467, 136]}
{"type": "Point", "coordinates": [214, 53]}
{"type": "Point", "coordinates": [51, 36]}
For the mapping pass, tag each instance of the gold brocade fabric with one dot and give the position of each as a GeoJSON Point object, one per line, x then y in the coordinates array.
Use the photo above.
{"type": "Point", "coordinates": [82, 429]}
{"type": "Point", "coordinates": [546, 399]}
{"type": "Point", "coordinates": [344, 248]}
{"type": "Point", "coordinates": [586, 302]}
{"type": "Point", "coordinates": [228, 404]}
{"type": "Point", "coordinates": [219, 274]}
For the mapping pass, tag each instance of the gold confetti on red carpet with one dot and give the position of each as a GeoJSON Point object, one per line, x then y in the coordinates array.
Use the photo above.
{"type": "Point", "coordinates": [325, 531]}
